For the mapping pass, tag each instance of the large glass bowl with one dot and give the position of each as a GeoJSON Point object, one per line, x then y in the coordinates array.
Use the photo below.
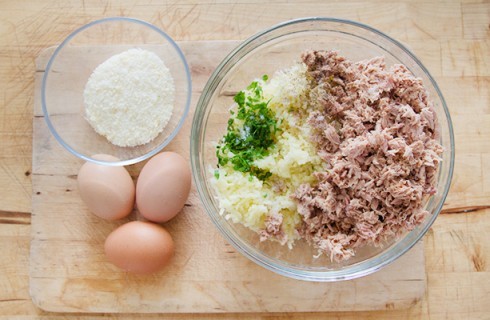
{"type": "Point", "coordinates": [73, 62]}
{"type": "Point", "coordinates": [277, 48]}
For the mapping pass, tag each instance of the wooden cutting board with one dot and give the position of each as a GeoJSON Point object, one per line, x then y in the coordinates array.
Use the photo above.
{"type": "Point", "coordinates": [69, 272]}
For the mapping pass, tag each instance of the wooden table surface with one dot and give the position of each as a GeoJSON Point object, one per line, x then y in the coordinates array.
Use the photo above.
{"type": "Point", "coordinates": [452, 38]}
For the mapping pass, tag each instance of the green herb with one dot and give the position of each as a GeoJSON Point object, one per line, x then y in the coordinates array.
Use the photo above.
{"type": "Point", "coordinates": [216, 174]}
{"type": "Point", "coordinates": [250, 132]}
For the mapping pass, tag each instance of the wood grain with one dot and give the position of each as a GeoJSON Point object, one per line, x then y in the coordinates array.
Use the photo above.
{"type": "Point", "coordinates": [455, 289]}
{"type": "Point", "coordinates": [69, 272]}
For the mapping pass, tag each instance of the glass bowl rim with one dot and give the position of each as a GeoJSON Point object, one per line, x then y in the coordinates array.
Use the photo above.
{"type": "Point", "coordinates": [371, 265]}
{"type": "Point", "coordinates": [147, 154]}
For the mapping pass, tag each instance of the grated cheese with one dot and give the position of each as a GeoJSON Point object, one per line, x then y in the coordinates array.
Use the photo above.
{"type": "Point", "coordinates": [129, 98]}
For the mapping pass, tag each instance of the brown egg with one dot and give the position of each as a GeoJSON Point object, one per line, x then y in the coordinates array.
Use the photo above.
{"type": "Point", "coordinates": [163, 187]}
{"type": "Point", "coordinates": [139, 247]}
{"type": "Point", "coordinates": [107, 191]}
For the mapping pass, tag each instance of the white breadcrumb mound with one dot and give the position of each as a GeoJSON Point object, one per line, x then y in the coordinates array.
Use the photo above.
{"type": "Point", "coordinates": [129, 98]}
{"type": "Point", "coordinates": [244, 198]}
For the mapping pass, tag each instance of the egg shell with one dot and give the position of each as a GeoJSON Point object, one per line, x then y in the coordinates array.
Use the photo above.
{"type": "Point", "coordinates": [108, 191]}
{"type": "Point", "coordinates": [139, 247]}
{"type": "Point", "coordinates": [163, 187]}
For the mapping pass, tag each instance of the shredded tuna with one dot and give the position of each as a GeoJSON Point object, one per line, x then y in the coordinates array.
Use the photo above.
{"type": "Point", "coordinates": [273, 228]}
{"type": "Point", "coordinates": [377, 131]}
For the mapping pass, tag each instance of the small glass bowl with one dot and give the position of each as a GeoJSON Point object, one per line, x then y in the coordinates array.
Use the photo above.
{"type": "Point", "coordinates": [73, 62]}
{"type": "Point", "coordinates": [275, 49]}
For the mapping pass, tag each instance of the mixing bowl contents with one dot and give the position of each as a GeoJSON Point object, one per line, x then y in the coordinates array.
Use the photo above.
{"type": "Point", "coordinates": [129, 98]}
{"type": "Point", "coordinates": [342, 154]}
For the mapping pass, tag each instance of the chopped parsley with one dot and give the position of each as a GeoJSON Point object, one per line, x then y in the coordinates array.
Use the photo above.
{"type": "Point", "coordinates": [250, 132]}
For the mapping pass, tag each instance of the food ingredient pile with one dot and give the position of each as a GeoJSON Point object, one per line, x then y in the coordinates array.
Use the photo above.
{"type": "Point", "coordinates": [340, 153]}
{"type": "Point", "coordinates": [129, 98]}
